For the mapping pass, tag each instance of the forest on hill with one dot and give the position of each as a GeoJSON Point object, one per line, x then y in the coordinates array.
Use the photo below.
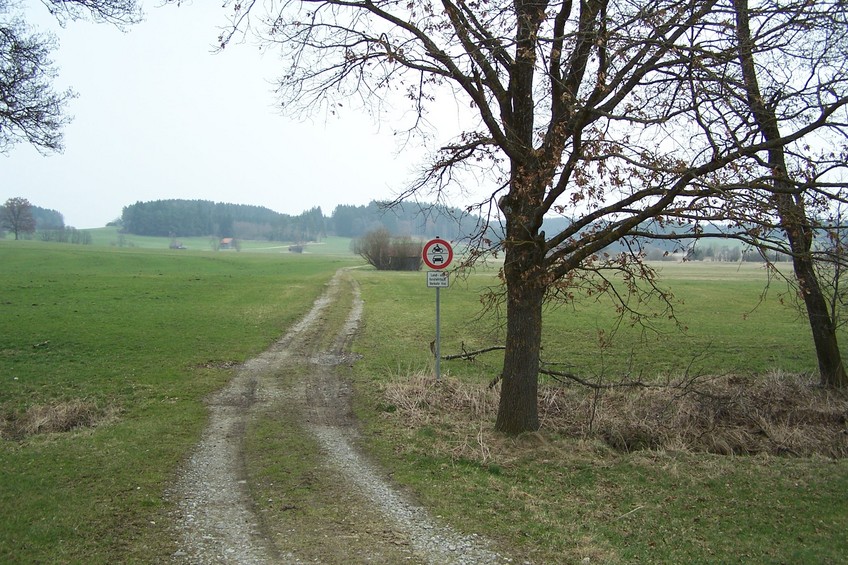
{"type": "Point", "coordinates": [187, 218]}
{"type": "Point", "coordinates": [47, 219]}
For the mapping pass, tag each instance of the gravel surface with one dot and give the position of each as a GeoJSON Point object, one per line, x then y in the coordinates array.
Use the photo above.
{"type": "Point", "coordinates": [216, 518]}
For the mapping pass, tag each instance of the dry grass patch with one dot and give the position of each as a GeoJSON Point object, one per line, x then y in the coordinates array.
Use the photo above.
{"type": "Point", "coordinates": [777, 415]}
{"type": "Point", "coordinates": [629, 475]}
{"type": "Point", "coordinates": [56, 417]}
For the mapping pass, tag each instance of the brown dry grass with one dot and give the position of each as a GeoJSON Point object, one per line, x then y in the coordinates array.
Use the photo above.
{"type": "Point", "coordinates": [778, 415]}
{"type": "Point", "coordinates": [56, 417]}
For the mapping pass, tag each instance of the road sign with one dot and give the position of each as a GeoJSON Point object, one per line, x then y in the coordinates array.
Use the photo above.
{"type": "Point", "coordinates": [437, 253]}
{"type": "Point", "coordinates": [437, 279]}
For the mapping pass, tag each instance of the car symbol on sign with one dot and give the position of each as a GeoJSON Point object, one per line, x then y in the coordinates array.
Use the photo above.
{"type": "Point", "coordinates": [437, 253]}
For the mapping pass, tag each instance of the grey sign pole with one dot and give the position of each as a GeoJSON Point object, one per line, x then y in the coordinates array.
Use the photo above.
{"type": "Point", "coordinates": [438, 339]}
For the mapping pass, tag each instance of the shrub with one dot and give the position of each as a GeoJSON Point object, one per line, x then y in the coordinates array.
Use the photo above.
{"type": "Point", "coordinates": [388, 253]}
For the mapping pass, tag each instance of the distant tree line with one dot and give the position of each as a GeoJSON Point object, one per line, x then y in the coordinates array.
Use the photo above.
{"type": "Point", "coordinates": [187, 218]}
{"type": "Point", "coordinates": [66, 235]}
{"type": "Point", "coordinates": [733, 254]}
{"type": "Point", "coordinates": [46, 219]}
{"type": "Point", "coordinates": [669, 243]}
{"type": "Point", "coordinates": [403, 219]}
{"type": "Point", "coordinates": [24, 220]}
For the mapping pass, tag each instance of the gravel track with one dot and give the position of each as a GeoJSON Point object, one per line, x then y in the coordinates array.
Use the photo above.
{"type": "Point", "coordinates": [216, 521]}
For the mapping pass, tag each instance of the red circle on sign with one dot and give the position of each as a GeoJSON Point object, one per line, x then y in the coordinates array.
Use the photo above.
{"type": "Point", "coordinates": [437, 254]}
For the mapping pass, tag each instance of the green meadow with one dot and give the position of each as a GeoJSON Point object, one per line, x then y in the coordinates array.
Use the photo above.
{"type": "Point", "coordinates": [119, 342]}
{"type": "Point", "coordinates": [550, 497]}
{"type": "Point", "coordinates": [110, 237]}
{"type": "Point", "coordinates": [725, 321]}
{"type": "Point", "coordinates": [134, 338]}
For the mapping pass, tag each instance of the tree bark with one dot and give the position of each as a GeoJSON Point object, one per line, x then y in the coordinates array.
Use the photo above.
{"type": "Point", "coordinates": [831, 368]}
{"type": "Point", "coordinates": [518, 407]}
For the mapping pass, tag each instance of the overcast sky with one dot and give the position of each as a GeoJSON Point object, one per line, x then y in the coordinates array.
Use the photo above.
{"type": "Point", "coordinates": [159, 116]}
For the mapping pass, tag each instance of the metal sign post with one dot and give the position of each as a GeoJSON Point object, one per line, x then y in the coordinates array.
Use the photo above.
{"type": "Point", "coordinates": [437, 254]}
{"type": "Point", "coordinates": [438, 349]}
{"type": "Point", "coordinates": [438, 280]}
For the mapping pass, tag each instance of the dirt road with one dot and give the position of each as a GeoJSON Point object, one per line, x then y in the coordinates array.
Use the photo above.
{"type": "Point", "coordinates": [217, 520]}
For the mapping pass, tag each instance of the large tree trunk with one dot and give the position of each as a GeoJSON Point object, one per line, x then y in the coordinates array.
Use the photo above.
{"type": "Point", "coordinates": [524, 263]}
{"type": "Point", "coordinates": [525, 278]}
{"type": "Point", "coordinates": [793, 219]}
{"type": "Point", "coordinates": [518, 408]}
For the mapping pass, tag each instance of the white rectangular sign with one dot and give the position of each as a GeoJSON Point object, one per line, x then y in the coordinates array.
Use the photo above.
{"type": "Point", "coordinates": [437, 279]}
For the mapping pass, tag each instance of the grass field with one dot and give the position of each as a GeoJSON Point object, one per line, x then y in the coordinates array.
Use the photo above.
{"type": "Point", "coordinates": [133, 339]}
{"type": "Point", "coordinates": [550, 497]}
{"type": "Point", "coordinates": [727, 326]}
{"type": "Point", "coordinates": [110, 237]}
{"type": "Point", "coordinates": [128, 340]}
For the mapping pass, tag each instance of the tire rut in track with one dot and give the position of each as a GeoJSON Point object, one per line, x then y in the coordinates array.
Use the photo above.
{"type": "Point", "coordinates": [216, 520]}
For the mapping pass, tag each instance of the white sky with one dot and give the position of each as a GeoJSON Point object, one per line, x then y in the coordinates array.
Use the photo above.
{"type": "Point", "coordinates": [159, 116]}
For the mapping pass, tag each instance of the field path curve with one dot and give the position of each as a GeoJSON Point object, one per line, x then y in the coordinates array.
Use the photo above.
{"type": "Point", "coordinates": [216, 518]}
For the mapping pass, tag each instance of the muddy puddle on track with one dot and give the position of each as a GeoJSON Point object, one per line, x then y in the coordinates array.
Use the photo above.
{"type": "Point", "coordinates": [367, 519]}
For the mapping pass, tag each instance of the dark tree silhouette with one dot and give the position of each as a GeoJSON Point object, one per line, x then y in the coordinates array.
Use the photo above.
{"type": "Point", "coordinates": [16, 216]}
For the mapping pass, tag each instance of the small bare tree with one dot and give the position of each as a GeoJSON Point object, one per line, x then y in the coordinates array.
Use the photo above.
{"type": "Point", "coordinates": [832, 269]}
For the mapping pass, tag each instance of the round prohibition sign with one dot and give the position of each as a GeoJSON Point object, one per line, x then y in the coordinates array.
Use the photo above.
{"type": "Point", "coordinates": [437, 253]}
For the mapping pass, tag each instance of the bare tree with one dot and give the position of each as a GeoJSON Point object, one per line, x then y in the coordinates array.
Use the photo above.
{"type": "Point", "coordinates": [832, 269]}
{"type": "Point", "coordinates": [116, 12]}
{"type": "Point", "coordinates": [16, 216]}
{"type": "Point", "coordinates": [578, 109]}
{"type": "Point", "coordinates": [788, 201]}
{"type": "Point", "coordinates": [31, 111]}
{"type": "Point", "coordinates": [784, 90]}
